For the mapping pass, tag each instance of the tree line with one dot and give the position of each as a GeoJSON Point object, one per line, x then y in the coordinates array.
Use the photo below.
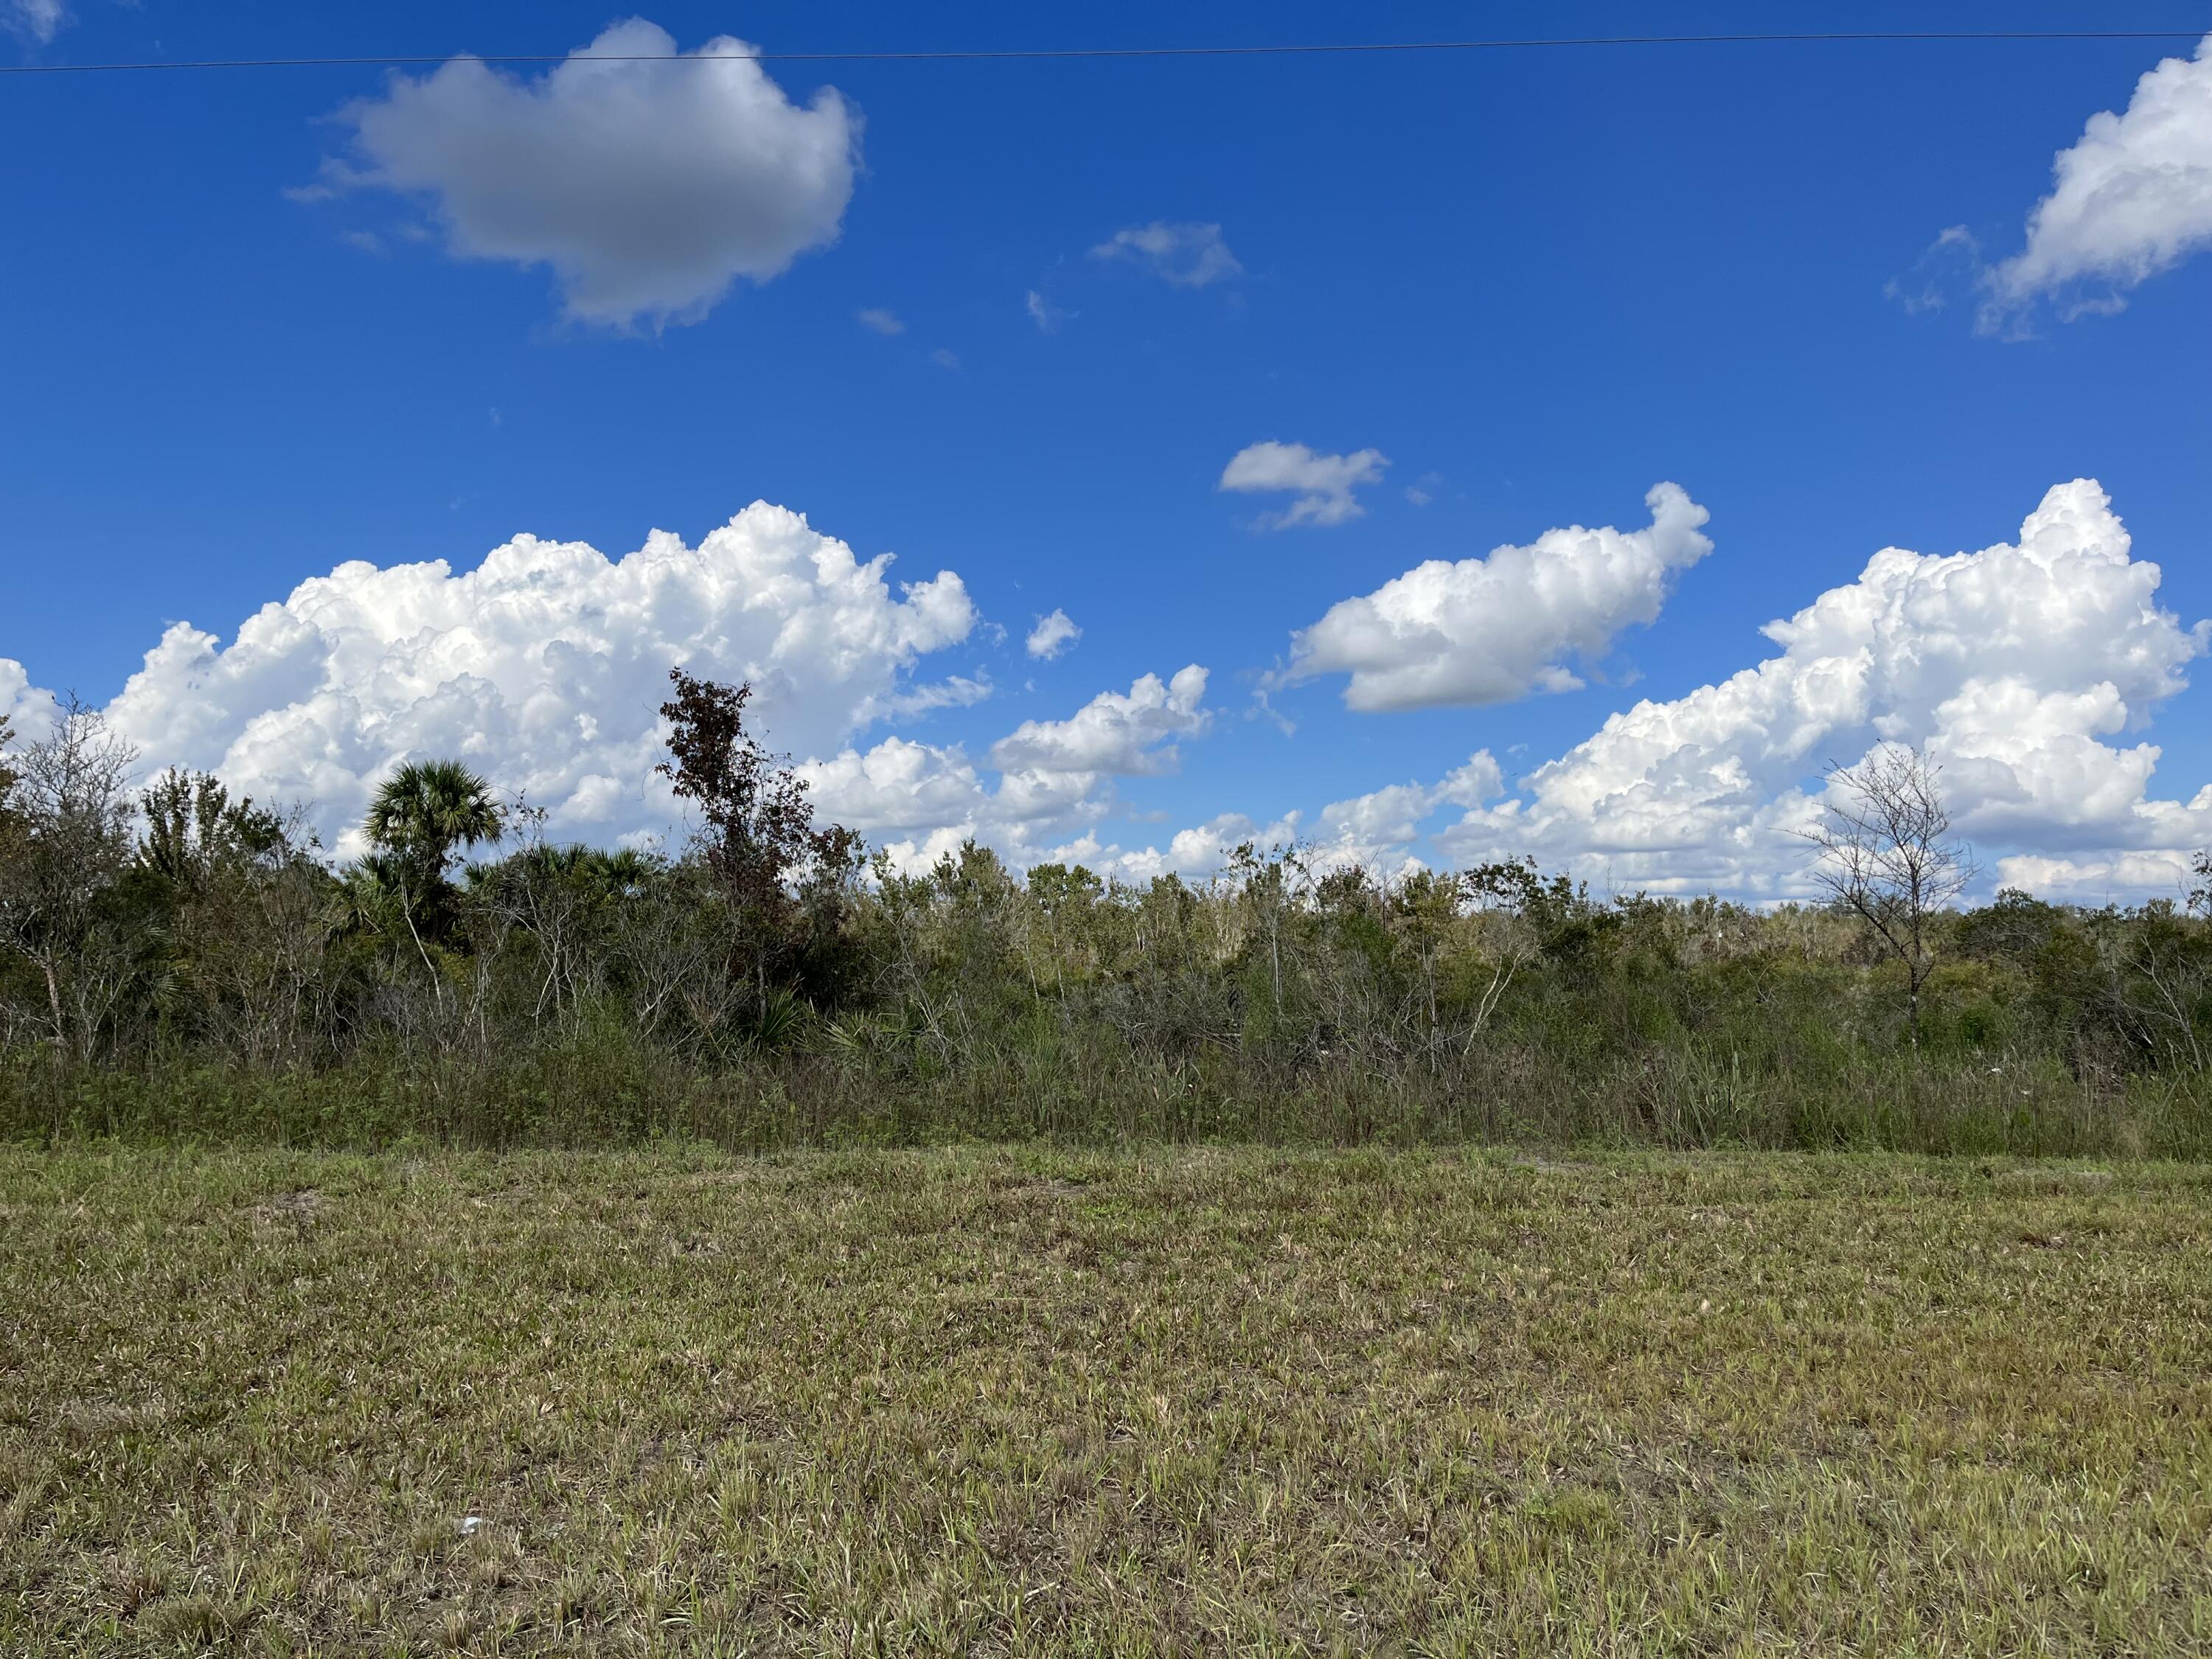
{"type": "Point", "coordinates": [175, 961]}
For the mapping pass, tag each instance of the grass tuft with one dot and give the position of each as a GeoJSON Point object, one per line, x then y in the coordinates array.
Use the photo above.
{"type": "Point", "coordinates": [1055, 1401]}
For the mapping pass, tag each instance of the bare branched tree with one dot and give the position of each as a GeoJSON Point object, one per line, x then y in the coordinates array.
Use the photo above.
{"type": "Point", "coordinates": [64, 841]}
{"type": "Point", "coordinates": [1886, 853]}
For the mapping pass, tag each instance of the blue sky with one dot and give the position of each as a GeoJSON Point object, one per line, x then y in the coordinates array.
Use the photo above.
{"type": "Point", "coordinates": [1537, 282]}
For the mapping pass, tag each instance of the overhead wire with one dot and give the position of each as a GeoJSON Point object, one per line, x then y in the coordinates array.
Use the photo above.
{"type": "Point", "coordinates": [1035, 53]}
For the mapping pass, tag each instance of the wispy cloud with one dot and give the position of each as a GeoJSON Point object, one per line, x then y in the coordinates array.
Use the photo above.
{"type": "Point", "coordinates": [1952, 264]}
{"type": "Point", "coordinates": [1185, 255]}
{"type": "Point", "coordinates": [1046, 315]}
{"type": "Point", "coordinates": [40, 19]}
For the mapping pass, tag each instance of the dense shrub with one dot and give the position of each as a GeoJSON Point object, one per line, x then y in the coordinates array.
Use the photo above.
{"type": "Point", "coordinates": [209, 976]}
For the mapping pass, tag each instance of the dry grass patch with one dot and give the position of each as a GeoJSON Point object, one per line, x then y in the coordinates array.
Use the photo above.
{"type": "Point", "coordinates": [1018, 1402]}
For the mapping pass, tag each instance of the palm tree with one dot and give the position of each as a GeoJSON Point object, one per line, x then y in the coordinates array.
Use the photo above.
{"type": "Point", "coordinates": [423, 812]}
{"type": "Point", "coordinates": [428, 808]}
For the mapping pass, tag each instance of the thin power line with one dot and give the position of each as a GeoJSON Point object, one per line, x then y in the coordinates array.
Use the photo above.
{"type": "Point", "coordinates": [404, 61]}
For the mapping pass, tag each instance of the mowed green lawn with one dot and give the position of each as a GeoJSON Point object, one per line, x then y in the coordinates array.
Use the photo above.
{"type": "Point", "coordinates": [1027, 1402]}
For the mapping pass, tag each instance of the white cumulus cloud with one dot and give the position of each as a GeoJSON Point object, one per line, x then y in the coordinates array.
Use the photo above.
{"type": "Point", "coordinates": [27, 708]}
{"type": "Point", "coordinates": [1183, 255]}
{"type": "Point", "coordinates": [2027, 669]}
{"type": "Point", "coordinates": [1377, 830]}
{"type": "Point", "coordinates": [1052, 635]}
{"type": "Point", "coordinates": [877, 320]}
{"type": "Point", "coordinates": [648, 187]}
{"type": "Point", "coordinates": [545, 666]}
{"type": "Point", "coordinates": [1322, 484]}
{"type": "Point", "coordinates": [1113, 731]}
{"type": "Point", "coordinates": [900, 786]}
{"type": "Point", "coordinates": [1493, 629]}
{"type": "Point", "coordinates": [1197, 853]}
{"type": "Point", "coordinates": [919, 801]}
{"type": "Point", "coordinates": [2016, 667]}
{"type": "Point", "coordinates": [2133, 197]}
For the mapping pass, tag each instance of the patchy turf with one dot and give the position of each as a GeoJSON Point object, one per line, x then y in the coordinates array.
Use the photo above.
{"type": "Point", "coordinates": [1025, 1402]}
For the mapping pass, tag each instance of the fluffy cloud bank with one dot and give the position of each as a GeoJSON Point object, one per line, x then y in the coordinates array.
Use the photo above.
{"type": "Point", "coordinates": [545, 666]}
{"type": "Point", "coordinates": [648, 186]}
{"type": "Point", "coordinates": [1377, 830]}
{"type": "Point", "coordinates": [2132, 198]}
{"type": "Point", "coordinates": [1112, 732]}
{"type": "Point", "coordinates": [27, 708]}
{"type": "Point", "coordinates": [2016, 666]}
{"type": "Point", "coordinates": [1322, 484]}
{"type": "Point", "coordinates": [1056, 776]}
{"type": "Point", "coordinates": [1493, 629]}
{"type": "Point", "coordinates": [2026, 669]}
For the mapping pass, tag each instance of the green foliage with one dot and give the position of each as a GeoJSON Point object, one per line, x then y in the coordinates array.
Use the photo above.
{"type": "Point", "coordinates": [426, 809]}
{"type": "Point", "coordinates": [422, 815]}
{"type": "Point", "coordinates": [206, 974]}
{"type": "Point", "coordinates": [193, 833]}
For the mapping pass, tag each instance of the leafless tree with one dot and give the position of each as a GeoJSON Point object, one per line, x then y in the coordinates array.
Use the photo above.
{"type": "Point", "coordinates": [1271, 886]}
{"type": "Point", "coordinates": [1511, 900]}
{"type": "Point", "coordinates": [66, 839]}
{"type": "Point", "coordinates": [1885, 850]}
{"type": "Point", "coordinates": [676, 949]}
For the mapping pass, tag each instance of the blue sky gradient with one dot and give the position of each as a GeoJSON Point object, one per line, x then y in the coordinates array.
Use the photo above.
{"type": "Point", "coordinates": [1538, 281]}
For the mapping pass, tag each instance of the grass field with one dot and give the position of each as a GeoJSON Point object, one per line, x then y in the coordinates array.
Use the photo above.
{"type": "Point", "coordinates": [1016, 1402]}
